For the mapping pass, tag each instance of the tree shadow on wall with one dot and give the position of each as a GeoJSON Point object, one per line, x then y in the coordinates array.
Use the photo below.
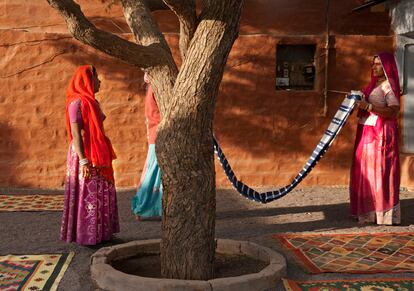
{"type": "Point", "coordinates": [112, 70]}
{"type": "Point", "coordinates": [57, 56]}
{"type": "Point", "coordinates": [254, 118]}
{"type": "Point", "coordinates": [122, 96]}
{"type": "Point", "coordinates": [251, 116]}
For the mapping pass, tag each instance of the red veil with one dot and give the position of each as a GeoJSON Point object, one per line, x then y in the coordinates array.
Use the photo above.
{"type": "Point", "coordinates": [391, 73]}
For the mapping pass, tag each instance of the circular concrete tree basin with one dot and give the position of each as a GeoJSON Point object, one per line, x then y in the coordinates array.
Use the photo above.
{"type": "Point", "coordinates": [108, 278]}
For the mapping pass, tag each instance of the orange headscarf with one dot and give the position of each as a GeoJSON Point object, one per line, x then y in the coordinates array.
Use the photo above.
{"type": "Point", "coordinates": [98, 148]}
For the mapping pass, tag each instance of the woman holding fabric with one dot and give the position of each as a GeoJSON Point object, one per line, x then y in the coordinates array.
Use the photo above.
{"type": "Point", "coordinates": [90, 214]}
{"type": "Point", "coordinates": [147, 202]}
{"type": "Point", "coordinates": [375, 171]}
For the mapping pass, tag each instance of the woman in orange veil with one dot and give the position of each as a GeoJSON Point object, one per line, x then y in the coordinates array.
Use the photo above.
{"type": "Point", "coordinates": [90, 214]}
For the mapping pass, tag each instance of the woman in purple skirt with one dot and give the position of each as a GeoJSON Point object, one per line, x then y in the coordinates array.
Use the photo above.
{"type": "Point", "coordinates": [90, 214]}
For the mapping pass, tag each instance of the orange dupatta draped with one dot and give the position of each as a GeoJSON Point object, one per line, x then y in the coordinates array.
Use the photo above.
{"type": "Point", "coordinates": [97, 147]}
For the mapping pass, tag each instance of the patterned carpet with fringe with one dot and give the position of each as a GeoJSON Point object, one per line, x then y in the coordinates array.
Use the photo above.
{"type": "Point", "coordinates": [352, 253]}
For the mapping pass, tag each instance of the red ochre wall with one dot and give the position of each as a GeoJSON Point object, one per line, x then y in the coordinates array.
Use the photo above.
{"type": "Point", "coordinates": [266, 134]}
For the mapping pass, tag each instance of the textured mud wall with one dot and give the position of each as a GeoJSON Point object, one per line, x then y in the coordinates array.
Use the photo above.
{"type": "Point", "coordinates": [266, 134]}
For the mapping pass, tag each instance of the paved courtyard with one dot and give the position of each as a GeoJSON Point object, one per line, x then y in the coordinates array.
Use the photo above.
{"type": "Point", "coordinates": [308, 209]}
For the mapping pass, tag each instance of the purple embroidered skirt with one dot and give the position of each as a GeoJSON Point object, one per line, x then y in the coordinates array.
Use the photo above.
{"type": "Point", "coordinates": [90, 213]}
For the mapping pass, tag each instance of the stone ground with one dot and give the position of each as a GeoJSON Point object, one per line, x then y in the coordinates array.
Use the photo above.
{"type": "Point", "coordinates": [308, 209]}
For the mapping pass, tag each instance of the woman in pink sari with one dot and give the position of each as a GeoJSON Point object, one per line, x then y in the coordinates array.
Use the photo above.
{"type": "Point", "coordinates": [90, 214]}
{"type": "Point", "coordinates": [375, 171]}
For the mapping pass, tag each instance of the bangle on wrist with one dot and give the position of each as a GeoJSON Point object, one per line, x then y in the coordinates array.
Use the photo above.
{"type": "Point", "coordinates": [83, 162]}
{"type": "Point", "coordinates": [369, 107]}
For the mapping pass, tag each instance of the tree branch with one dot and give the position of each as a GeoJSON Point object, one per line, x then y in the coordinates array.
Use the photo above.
{"type": "Point", "coordinates": [186, 13]}
{"type": "Point", "coordinates": [49, 60]}
{"type": "Point", "coordinates": [84, 31]}
{"type": "Point", "coordinates": [141, 23]}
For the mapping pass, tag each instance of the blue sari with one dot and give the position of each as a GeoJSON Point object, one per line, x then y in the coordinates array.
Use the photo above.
{"type": "Point", "coordinates": [147, 202]}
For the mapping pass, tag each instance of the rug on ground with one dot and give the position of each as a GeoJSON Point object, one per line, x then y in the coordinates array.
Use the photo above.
{"type": "Point", "coordinates": [33, 272]}
{"type": "Point", "coordinates": [383, 284]}
{"type": "Point", "coordinates": [352, 253]}
{"type": "Point", "coordinates": [31, 202]}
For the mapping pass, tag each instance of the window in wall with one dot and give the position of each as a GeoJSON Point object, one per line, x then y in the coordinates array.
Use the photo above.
{"type": "Point", "coordinates": [295, 67]}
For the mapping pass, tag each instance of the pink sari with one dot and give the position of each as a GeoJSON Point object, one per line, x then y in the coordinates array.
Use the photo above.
{"type": "Point", "coordinates": [375, 171]}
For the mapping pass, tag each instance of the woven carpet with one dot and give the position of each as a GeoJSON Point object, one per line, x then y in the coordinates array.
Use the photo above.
{"type": "Point", "coordinates": [378, 284]}
{"type": "Point", "coordinates": [33, 272]}
{"type": "Point", "coordinates": [352, 253]}
{"type": "Point", "coordinates": [31, 202]}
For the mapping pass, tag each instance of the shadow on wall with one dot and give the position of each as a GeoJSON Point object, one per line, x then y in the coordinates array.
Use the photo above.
{"type": "Point", "coordinates": [109, 68]}
{"type": "Point", "coordinates": [254, 118]}
{"type": "Point", "coordinates": [33, 141]}
{"type": "Point", "coordinates": [251, 117]}
{"type": "Point", "coordinates": [10, 156]}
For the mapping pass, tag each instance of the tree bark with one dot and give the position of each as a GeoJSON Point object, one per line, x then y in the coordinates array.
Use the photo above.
{"type": "Point", "coordinates": [185, 150]}
{"type": "Point", "coordinates": [186, 13]}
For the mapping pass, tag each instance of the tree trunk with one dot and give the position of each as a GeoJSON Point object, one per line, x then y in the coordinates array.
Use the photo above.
{"type": "Point", "coordinates": [185, 150]}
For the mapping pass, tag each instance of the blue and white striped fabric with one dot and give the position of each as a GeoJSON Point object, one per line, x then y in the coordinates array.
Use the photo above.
{"type": "Point", "coordinates": [329, 136]}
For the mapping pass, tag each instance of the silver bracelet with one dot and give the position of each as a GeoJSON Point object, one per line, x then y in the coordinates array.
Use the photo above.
{"type": "Point", "coordinates": [83, 162]}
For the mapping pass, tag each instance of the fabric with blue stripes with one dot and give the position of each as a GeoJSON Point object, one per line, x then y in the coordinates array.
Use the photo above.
{"type": "Point", "coordinates": [339, 120]}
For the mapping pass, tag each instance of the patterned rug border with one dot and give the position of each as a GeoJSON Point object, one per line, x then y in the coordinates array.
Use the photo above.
{"type": "Point", "coordinates": [31, 195]}
{"type": "Point", "coordinates": [292, 285]}
{"type": "Point", "coordinates": [289, 234]}
{"type": "Point", "coordinates": [310, 267]}
{"type": "Point", "coordinates": [58, 272]}
{"type": "Point", "coordinates": [35, 197]}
